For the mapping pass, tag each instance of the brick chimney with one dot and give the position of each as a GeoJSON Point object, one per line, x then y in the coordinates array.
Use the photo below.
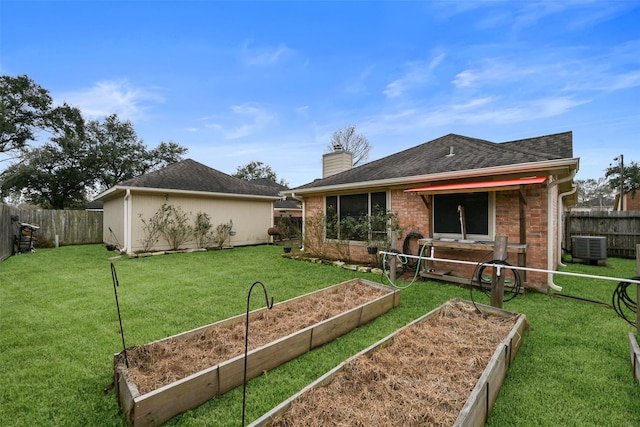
{"type": "Point", "coordinates": [335, 162]}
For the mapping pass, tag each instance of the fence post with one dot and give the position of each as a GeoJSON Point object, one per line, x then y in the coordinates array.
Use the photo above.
{"type": "Point", "coordinates": [638, 289]}
{"type": "Point", "coordinates": [497, 282]}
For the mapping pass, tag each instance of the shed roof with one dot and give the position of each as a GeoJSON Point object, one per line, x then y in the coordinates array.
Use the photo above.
{"type": "Point", "coordinates": [189, 175]}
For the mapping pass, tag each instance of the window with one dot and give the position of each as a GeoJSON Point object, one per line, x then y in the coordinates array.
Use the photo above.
{"type": "Point", "coordinates": [346, 212]}
{"type": "Point", "coordinates": [478, 215]}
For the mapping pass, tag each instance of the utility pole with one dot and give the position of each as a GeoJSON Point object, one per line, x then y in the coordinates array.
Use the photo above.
{"type": "Point", "coordinates": [620, 158]}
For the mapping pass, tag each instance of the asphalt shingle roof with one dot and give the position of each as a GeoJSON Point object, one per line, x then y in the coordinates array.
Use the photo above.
{"type": "Point", "coordinates": [193, 176]}
{"type": "Point", "coordinates": [469, 153]}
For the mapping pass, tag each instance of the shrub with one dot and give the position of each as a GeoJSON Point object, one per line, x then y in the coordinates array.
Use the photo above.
{"type": "Point", "coordinates": [150, 230]}
{"type": "Point", "coordinates": [223, 231]}
{"type": "Point", "coordinates": [315, 234]}
{"type": "Point", "coordinates": [174, 225]}
{"type": "Point", "coordinates": [202, 230]}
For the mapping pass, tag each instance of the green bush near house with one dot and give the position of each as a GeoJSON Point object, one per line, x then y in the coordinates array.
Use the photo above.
{"type": "Point", "coordinates": [59, 330]}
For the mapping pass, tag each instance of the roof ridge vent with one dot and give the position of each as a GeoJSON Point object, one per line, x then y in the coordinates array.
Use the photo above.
{"type": "Point", "coordinates": [451, 153]}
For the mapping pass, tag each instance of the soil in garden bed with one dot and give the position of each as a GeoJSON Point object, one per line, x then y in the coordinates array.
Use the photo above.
{"type": "Point", "coordinates": [157, 364]}
{"type": "Point", "coordinates": [424, 378]}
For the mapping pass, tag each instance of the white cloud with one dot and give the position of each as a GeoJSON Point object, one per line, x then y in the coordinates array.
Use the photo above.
{"type": "Point", "coordinates": [479, 111]}
{"type": "Point", "coordinates": [416, 74]}
{"type": "Point", "coordinates": [303, 111]}
{"type": "Point", "coordinates": [602, 80]}
{"type": "Point", "coordinates": [473, 103]}
{"type": "Point", "coordinates": [519, 15]}
{"type": "Point", "coordinates": [500, 70]}
{"type": "Point", "coordinates": [571, 70]}
{"type": "Point", "coordinates": [519, 112]}
{"type": "Point", "coordinates": [265, 56]}
{"type": "Point", "coordinates": [359, 84]}
{"type": "Point", "coordinates": [112, 97]}
{"type": "Point", "coordinates": [245, 120]}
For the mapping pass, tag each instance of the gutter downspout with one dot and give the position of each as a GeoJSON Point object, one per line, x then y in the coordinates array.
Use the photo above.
{"type": "Point", "coordinates": [550, 223]}
{"type": "Point", "coordinates": [304, 210]}
{"type": "Point", "coordinates": [127, 221]}
{"type": "Point", "coordinates": [560, 222]}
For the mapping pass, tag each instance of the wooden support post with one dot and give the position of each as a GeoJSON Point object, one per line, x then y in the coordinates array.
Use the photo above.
{"type": "Point", "coordinates": [638, 289]}
{"type": "Point", "coordinates": [393, 259]}
{"type": "Point", "coordinates": [497, 281]}
{"type": "Point", "coordinates": [522, 257]}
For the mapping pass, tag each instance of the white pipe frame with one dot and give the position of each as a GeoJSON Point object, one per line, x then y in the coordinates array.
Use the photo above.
{"type": "Point", "coordinates": [499, 267]}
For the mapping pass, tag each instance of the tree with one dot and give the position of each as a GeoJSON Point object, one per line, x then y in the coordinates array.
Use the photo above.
{"type": "Point", "coordinates": [348, 140]}
{"type": "Point", "coordinates": [25, 109]}
{"type": "Point", "coordinates": [120, 155]}
{"type": "Point", "coordinates": [631, 177]}
{"type": "Point", "coordinates": [56, 174]}
{"type": "Point", "coordinates": [594, 192]}
{"type": "Point", "coordinates": [77, 159]}
{"type": "Point", "coordinates": [257, 170]}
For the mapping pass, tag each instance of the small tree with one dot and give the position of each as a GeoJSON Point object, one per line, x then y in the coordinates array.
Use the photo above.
{"type": "Point", "coordinates": [631, 182]}
{"type": "Point", "coordinates": [202, 230]}
{"type": "Point", "coordinates": [223, 231]}
{"type": "Point", "coordinates": [174, 225]}
{"type": "Point", "coordinates": [289, 227]}
{"type": "Point", "coordinates": [378, 226]}
{"type": "Point", "coordinates": [257, 170]}
{"type": "Point", "coordinates": [594, 193]}
{"type": "Point", "coordinates": [314, 234]}
{"type": "Point", "coordinates": [349, 228]}
{"type": "Point", "coordinates": [150, 230]}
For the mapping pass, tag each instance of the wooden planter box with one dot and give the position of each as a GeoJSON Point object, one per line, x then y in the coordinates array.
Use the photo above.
{"type": "Point", "coordinates": [481, 399]}
{"type": "Point", "coordinates": [160, 405]}
{"type": "Point", "coordinates": [634, 351]}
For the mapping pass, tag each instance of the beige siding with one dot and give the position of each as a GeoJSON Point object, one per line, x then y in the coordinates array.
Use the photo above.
{"type": "Point", "coordinates": [114, 219]}
{"type": "Point", "coordinates": [336, 162]}
{"type": "Point", "coordinates": [251, 218]}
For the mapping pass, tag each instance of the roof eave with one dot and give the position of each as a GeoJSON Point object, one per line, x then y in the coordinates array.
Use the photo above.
{"type": "Point", "coordinates": [114, 191]}
{"type": "Point", "coordinates": [548, 167]}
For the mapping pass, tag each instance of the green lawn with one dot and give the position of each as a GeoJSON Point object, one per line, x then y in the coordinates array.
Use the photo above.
{"type": "Point", "coordinates": [59, 330]}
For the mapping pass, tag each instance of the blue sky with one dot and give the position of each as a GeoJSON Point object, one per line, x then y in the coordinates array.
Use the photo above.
{"type": "Point", "coordinates": [270, 81]}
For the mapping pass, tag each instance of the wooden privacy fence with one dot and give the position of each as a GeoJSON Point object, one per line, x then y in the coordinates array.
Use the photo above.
{"type": "Point", "coordinates": [73, 227]}
{"type": "Point", "coordinates": [622, 230]}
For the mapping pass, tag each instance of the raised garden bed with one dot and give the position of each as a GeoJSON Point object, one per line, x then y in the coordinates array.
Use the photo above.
{"type": "Point", "coordinates": [445, 368]}
{"type": "Point", "coordinates": [178, 373]}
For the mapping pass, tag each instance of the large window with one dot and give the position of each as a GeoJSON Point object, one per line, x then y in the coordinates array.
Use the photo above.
{"type": "Point", "coordinates": [476, 209]}
{"type": "Point", "coordinates": [345, 215]}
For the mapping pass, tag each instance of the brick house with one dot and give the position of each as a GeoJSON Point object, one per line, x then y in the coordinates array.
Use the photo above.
{"type": "Point", "coordinates": [632, 201]}
{"type": "Point", "coordinates": [458, 194]}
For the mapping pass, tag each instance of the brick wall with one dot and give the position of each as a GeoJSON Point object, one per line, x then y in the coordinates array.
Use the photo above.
{"type": "Point", "coordinates": [632, 202]}
{"type": "Point", "coordinates": [414, 215]}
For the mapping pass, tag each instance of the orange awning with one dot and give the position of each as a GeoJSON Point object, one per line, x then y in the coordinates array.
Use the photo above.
{"type": "Point", "coordinates": [462, 187]}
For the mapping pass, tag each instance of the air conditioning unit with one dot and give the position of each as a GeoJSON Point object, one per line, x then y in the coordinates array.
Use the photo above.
{"type": "Point", "coordinates": [592, 248]}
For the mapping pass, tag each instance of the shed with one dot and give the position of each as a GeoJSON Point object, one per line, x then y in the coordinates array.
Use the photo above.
{"type": "Point", "coordinates": [194, 188]}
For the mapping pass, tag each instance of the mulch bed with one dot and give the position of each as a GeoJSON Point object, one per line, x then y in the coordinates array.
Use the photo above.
{"type": "Point", "coordinates": [157, 364]}
{"type": "Point", "coordinates": [423, 379]}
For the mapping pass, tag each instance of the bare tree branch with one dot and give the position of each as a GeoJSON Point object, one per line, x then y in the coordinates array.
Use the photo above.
{"type": "Point", "coordinates": [348, 140]}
